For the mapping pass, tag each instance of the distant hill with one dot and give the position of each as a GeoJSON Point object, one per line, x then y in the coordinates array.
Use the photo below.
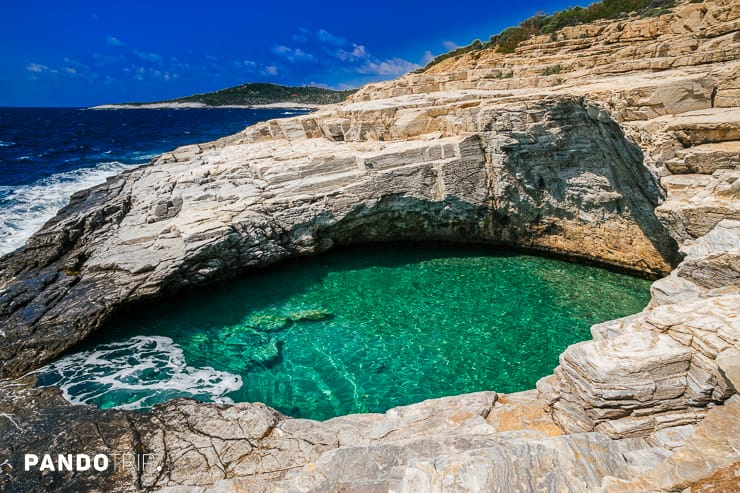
{"type": "Point", "coordinates": [253, 94]}
{"type": "Point", "coordinates": [262, 93]}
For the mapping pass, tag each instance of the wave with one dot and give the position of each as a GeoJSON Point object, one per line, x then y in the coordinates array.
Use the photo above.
{"type": "Point", "coordinates": [25, 208]}
{"type": "Point", "coordinates": [145, 156]}
{"type": "Point", "coordinates": [135, 374]}
{"type": "Point", "coordinates": [6, 144]}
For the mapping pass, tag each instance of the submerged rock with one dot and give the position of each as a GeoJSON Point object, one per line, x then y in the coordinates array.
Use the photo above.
{"type": "Point", "coordinates": [267, 321]}
{"type": "Point", "coordinates": [246, 347]}
{"type": "Point", "coordinates": [310, 316]}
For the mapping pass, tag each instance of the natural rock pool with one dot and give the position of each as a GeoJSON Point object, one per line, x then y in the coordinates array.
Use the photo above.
{"type": "Point", "coordinates": [357, 330]}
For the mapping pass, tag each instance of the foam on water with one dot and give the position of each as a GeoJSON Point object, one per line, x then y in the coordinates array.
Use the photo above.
{"type": "Point", "coordinates": [25, 208]}
{"type": "Point", "coordinates": [135, 373]}
{"type": "Point", "coordinates": [146, 155]}
{"type": "Point", "coordinates": [47, 154]}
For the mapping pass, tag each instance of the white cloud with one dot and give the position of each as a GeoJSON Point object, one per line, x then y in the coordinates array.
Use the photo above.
{"type": "Point", "coordinates": [359, 52]}
{"type": "Point", "coordinates": [39, 68]}
{"type": "Point", "coordinates": [392, 66]}
{"type": "Point", "coordinates": [244, 64]}
{"type": "Point", "coordinates": [428, 57]}
{"type": "Point", "coordinates": [113, 41]}
{"type": "Point", "coordinates": [36, 67]}
{"type": "Point", "coordinates": [322, 36]}
{"type": "Point", "coordinates": [71, 62]}
{"type": "Point", "coordinates": [151, 74]}
{"type": "Point", "coordinates": [293, 54]}
{"type": "Point", "coordinates": [329, 38]}
{"type": "Point", "coordinates": [366, 63]}
{"type": "Point", "coordinates": [270, 70]}
{"type": "Point", "coordinates": [450, 45]}
{"type": "Point", "coordinates": [149, 57]}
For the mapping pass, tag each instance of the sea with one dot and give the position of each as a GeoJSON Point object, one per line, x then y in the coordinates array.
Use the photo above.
{"type": "Point", "coordinates": [47, 154]}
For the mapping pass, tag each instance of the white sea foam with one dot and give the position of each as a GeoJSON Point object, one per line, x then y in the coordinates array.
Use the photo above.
{"type": "Point", "coordinates": [143, 370]}
{"type": "Point", "coordinates": [6, 144]}
{"type": "Point", "coordinates": [25, 208]}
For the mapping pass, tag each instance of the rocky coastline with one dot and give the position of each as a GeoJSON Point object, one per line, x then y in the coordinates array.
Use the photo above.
{"type": "Point", "coordinates": [198, 106]}
{"type": "Point", "coordinates": [626, 155]}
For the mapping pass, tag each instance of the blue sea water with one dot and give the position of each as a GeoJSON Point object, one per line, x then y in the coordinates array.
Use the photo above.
{"type": "Point", "coordinates": [46, 154]}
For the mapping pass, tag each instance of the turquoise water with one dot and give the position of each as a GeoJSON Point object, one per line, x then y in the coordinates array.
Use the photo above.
{"type": "Point", "coordinates": [357, 330]}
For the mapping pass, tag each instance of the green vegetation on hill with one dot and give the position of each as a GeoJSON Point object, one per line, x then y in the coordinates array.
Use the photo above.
{"type": "Point", "coordinates": [258, 93]}
{"type": "Point", "coordinates": [507, 40]}
{"type": "Point", "coordinates": [263, 93]}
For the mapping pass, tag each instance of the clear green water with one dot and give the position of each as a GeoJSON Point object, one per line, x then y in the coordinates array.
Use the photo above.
{"type": "Point", "coordinates": [359, 330]}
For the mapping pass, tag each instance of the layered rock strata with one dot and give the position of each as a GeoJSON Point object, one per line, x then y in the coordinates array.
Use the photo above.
{"type": "Point", "coordinates": [665, 366]}
{"type": "Point", "coordinates": [626, 154]}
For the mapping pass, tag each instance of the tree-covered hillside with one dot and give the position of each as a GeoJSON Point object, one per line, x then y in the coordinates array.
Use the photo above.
{"type": "Point", "coordinates": [264, 93]}
{"type": "Point", "coordinates": [507, 40]}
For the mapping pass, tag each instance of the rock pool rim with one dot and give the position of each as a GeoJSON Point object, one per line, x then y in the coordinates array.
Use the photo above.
{"type": "Point", "coordinates": [362, 256]}
{"type": "Point", "coordinates": [497, 247]}
{"type": "Point", "coordinates": [122, 312]}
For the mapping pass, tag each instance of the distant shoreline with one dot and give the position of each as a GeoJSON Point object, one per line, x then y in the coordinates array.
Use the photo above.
{"type": "Point", "coordinates": [179, 106]}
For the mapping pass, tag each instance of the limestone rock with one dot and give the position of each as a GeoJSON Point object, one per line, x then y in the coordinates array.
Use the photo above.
{"type": "Point", "coordinates": [658, 368]}
{"type": "Point", "coordinates": [522, 411]}
{"type": "Point", "coordinates": [708, 460]}
{"type": "Point", "coordinates": [568, 463]}
{"type": "Point", "coordinates": [728, 364]}
{"type": "Point", "coordinates": [711, 266]}
{"type": "Point", "coordinates": [625, 156]}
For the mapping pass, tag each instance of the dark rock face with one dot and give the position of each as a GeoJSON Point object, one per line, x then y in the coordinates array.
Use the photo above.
{"type": "Point", "coordinates": [35, 318]}
{"type": "Point", "coordinates": [182, 442]}
{"type": "Point", "coordinates": [39, 421]}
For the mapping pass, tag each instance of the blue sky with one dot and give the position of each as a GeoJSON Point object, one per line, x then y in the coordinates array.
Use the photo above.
{"type": "Point", "coordinates": [81, 53]}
